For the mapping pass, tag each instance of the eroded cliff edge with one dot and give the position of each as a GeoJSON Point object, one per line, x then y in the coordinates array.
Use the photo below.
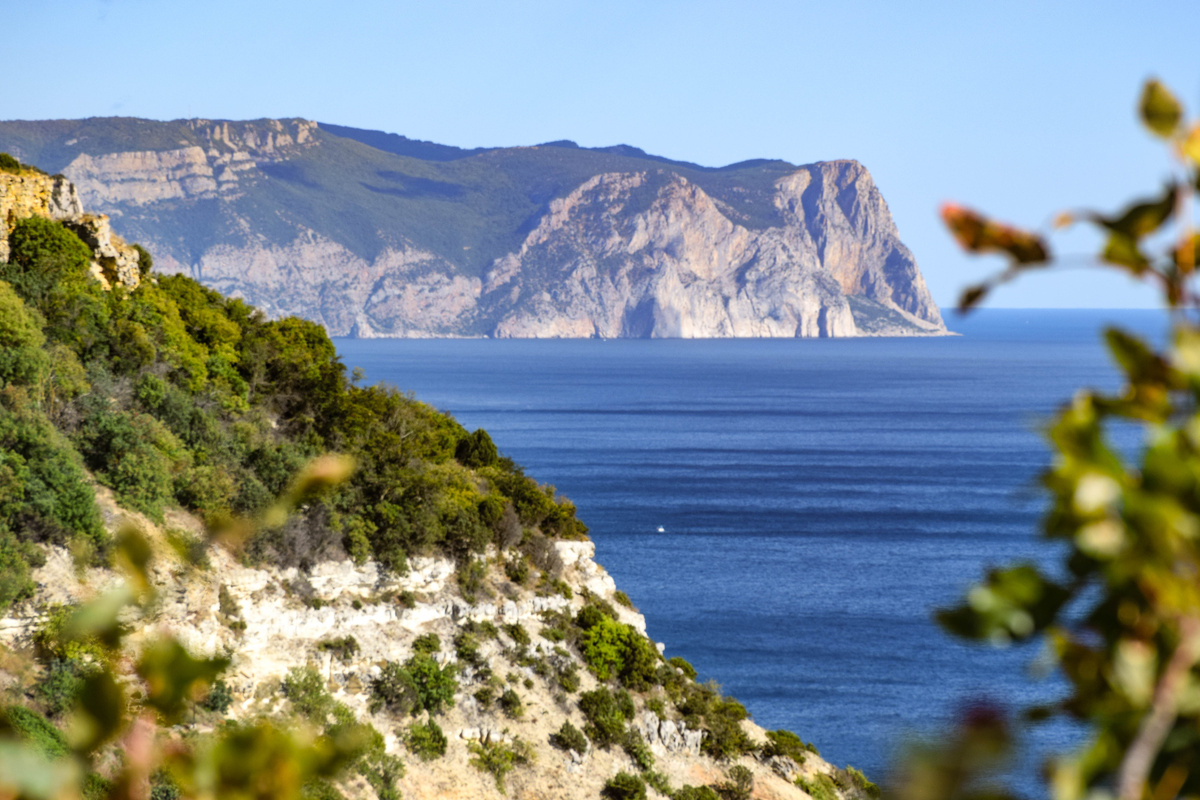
{"type": "Point", "coordinates": [377, 239]}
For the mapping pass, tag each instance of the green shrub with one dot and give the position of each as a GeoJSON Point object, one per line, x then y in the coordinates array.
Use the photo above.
{"type": "Point", "coordinates": [164, 787]}
{"type": "Point", "coordinates": [23, 361]}
{"type": "Point", "coordinates": [320, 790]}
{"type": "Point", "coordinates": [511, 705]}
{"type": "Point", "coordinates": [658, 781]}
{"type": "Point", "coordinates": [417, 685]}
{"type": "Point", "coordinates": [726, 738]}
{"type": "Point", "coordinates": [35, 729]}
{"type": "Point", "coordinates": [61, 685]}
{"type": "Point", "coordinates": [219, 697]}
{"type": "Point", "coordinates": [516, 631]}
{"type": "Point", "coordinates": [636, 748]}
{"type": "Point", "coordinates": [9, 164]}
{"type": "Point", "coordinates": [613, 649]}
{"type": "Point", "coordinates": [49, 496]}
{"type": "Point", "coordinates": [819, 787]}
{"type": "Point", "coordinates": [622, 599]}
{"type": "Point", "coordinates": [624, 786]}
{"type": "Point", "coordinates": [739, 786]}
{"type": "Point", "coordinates": [395, 690]}
{"type": "Point", "coordinates": [569, 737]}
{"type": "Point", "coordinates": [48, 267]}
{"type": "Point", "coordinates": [466, 647]}
{"type": "Point", "coordinates": [785, 743]}
{"type": "Point", "coordinates": [476, 450]}
{"type": "Point", "coordinates": [499, 759]}
{"type": "Point", "coordinates": [605, 715]}
{"type": "Point", "coordinates": [96, 787]}
{"type": "Point", "coordinates": [133, 453]}
{"type": "Point", "coordinates": [516, 568]}
{"type": "Point", "coordinates": [435, 685]}
{"type": "Point", "coordinates": [851, 778]}
{"type": "Point", "coordinates": [16, 581]}
{"type": "Point", "coordinates": [426, 741]}
{"type": "Point", "coordinates": [471, 577]}
{"type": "Point", "coordinates": [695, 793]}
{"type": "Point", "coordinates": [426, 644]}
{"type": "Point", "coordinates": [344, 647]}
{"type": "Point", "coordinates": [305, 688]}
{"type": "Point", "coordinates": [682, 665]}
{"type": "Point", "coordinates": [486, 696]}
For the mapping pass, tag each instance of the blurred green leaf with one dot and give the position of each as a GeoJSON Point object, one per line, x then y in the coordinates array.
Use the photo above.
{"type": "Point", "coordinates": [173, 677]}
{"type": "Point", "coordinates": [1142, 218]}
{"type": "Point", "coordinates": [1159, 109]}
{"type": "Point", "coordinates": [132, 556]}
{"type": "Point", "coordinates": [27, 774]}
{"type": "Point", "coordinates": [99, 714]}
{"type": "Point", "coordinates": [99, 618]}
{"type": "Point", "coordinates": [1122, 250]}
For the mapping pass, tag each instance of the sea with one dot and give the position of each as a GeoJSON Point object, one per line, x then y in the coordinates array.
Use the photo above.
{"type": "Point", "coordinates": [788, 514]}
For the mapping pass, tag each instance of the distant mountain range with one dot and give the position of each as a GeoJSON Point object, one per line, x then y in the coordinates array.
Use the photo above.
{"type": "Point", "coordinates": [375, 234]}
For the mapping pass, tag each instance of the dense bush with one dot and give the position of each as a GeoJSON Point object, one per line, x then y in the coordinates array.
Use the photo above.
{"type": "Point", "coordinates": [819, 787]}
{"type": "Point", "coordinates": [219, 697]}
{"type": "Point", "coordinates": [739, 786]}
{"type": "Point", "coordinates": [606, 715]}
{"type": "Point", "coordinates": [788, 744]}
{"type": "Point", "coordinates": [305, 688]}
{"type": "Point", "coordinates": [511, 705]}
{"type": "Point", "coordinates": [569, 737]}
{"type": "Point", "coordinates": [476, 450]}
{"type": "Point", "coordinates": [638, 751]}
{"type": "Point", "coordinates": [35, 729]}
{"type": "Point", "coordinates": [695, 793]}
{"type": "Point", "coordinates": [612, 649]}
{"type": "Point", "coordinates": [426, 741]}
{"type": "Point", "coordinates": [418, 684]}
{"type": "Point", "coordinates": [9, 164]}
{"type": "Point", "coordinates": [624, 786]}
{"type": "Point", "coordinates": [61, 685]}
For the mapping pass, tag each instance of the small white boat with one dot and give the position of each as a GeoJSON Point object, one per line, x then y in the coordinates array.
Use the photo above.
{"type": "Point", "coordinates": [661, 529]}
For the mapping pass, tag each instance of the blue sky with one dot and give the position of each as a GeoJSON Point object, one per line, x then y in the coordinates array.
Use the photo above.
{"type": "Point", "coordinates": [1018, 108]}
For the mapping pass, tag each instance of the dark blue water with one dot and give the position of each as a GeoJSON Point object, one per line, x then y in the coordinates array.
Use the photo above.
{"type": "Point", "coordinates": [818, 497]}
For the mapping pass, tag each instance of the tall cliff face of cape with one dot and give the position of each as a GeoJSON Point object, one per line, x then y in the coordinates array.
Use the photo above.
{"type": "Point", "coordinates": [376, 235]}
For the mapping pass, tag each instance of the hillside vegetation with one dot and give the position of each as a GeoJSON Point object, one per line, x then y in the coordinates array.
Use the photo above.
{"type": "Point", "coordinates": [140, 403]}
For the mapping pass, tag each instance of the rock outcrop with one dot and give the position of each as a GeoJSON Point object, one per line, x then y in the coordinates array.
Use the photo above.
{"type": "Point", "coordinates": [547, 241]}
{"type": "Point", "coordinates": [32, 193]}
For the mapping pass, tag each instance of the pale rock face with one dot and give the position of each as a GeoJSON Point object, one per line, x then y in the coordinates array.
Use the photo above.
{"type": "Point", "coordinates": [848, 221]}
{"type": "Point", "coordinates": [680, 268]}
{"type": "Point", "coordinates": [143, 177]}
{"type": "Point", "coordinates": [140, 178]}
{"type": "Point", "coordinates": [402, 292]}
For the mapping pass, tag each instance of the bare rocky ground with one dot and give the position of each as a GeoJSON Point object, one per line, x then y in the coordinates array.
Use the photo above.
{"type": "Point", "coordinates": [272, 620]}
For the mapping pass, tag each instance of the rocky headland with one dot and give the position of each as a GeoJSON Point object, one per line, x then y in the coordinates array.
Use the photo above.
{"type": "Point", "coordinates": [374, 235]}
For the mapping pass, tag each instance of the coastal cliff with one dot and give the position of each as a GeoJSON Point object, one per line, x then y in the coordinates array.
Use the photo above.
{"type": "Point", "coordinates": [375, 235]}
{"type": "Point", "coordinates": [353, 565]}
